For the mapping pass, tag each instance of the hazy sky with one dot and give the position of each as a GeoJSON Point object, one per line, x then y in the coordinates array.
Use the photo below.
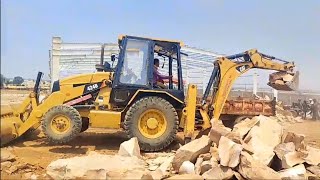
{"type": "Point", "coordinates": [288, 29]}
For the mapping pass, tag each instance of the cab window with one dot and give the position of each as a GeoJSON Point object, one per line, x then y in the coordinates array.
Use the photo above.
{"type": "Point", "coordinates": [134, 69]}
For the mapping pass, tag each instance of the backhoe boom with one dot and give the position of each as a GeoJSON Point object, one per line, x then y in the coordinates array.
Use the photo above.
{"type": "Point", "coordinates": [228, 69]}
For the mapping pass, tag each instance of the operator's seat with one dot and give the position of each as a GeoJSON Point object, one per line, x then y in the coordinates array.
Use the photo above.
{"type": "Point", "coordinates": [105, 67]}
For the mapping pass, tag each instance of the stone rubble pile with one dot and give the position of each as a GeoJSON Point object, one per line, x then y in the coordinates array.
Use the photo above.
{"type": "Point", "coordinates": [11, 165]}
{"type": "Point", "coordinates": [283, 116]}
{"type": "Point", "coordinates": [255, 148]}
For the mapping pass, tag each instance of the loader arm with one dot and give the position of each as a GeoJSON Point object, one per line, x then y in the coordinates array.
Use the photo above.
{"type": "Point", "coordinates": [228, 69]}
{"type": "Point", "coordinates": [28, 114]}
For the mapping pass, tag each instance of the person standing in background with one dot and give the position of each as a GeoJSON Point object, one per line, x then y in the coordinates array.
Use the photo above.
{"type": "Point", "coordinates": [315, 110]}
{"type": "Point", "coordinates": [305, 109]}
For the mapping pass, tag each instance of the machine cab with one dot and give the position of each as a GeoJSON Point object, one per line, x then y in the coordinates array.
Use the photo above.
{"type": "Point", "coordinates": [147, 64]}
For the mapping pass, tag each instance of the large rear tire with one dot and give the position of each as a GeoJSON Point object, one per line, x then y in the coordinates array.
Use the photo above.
{"type": "Point", "coordinates": [154, 121]}
{"type": "Point", "coordinates": [61, 124]}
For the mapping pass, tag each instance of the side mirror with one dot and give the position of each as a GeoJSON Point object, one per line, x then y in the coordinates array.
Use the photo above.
{"type": "Point", "coordinates": [113, 57]}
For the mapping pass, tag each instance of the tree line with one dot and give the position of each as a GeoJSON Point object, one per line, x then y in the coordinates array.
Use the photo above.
{"type": "Point", "coordinates": [18, 80]}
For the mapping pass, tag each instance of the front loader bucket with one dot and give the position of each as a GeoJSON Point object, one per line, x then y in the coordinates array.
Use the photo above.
{"type": "Point", "coordinates": [8, 123]}
{"type": "Point", "coordinates": [7, 133]}
{"type": "Point", "coordinates": [284, 81]}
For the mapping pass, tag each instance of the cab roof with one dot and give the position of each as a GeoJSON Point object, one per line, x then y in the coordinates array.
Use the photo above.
{"type": "Point", "coordinates": [121, 37]}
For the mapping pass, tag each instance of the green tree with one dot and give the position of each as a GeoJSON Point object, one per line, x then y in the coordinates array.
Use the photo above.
{"type": "Point", "coordinates": [18, 80]}
{"type": "Point", "coordinates": [3, 81]}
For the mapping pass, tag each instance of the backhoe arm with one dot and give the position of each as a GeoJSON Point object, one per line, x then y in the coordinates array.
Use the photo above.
{"type": "Point", "coordinates": [263, 61]}
{"type": "Point", "coordinates": [228, 69]}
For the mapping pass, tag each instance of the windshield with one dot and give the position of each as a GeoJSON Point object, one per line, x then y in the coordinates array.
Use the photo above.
{"type": "Point", "coordinates": [134, 69]}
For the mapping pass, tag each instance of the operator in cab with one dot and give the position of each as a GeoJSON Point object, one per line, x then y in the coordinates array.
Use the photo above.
{"type": "Point", "coordinates": [158, 78]}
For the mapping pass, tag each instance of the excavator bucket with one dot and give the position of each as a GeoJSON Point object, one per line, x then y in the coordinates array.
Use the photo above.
{"type": "Point", "coordinates": [284, 81]}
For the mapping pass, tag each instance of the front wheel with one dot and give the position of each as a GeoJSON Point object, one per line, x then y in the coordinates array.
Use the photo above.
{"type": "Point", "coordinates": [154, 121]}
{"type": "Point", "coordinates": [61, 124]}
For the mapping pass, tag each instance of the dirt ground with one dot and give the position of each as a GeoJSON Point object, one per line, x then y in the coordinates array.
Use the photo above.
{"type": "Point", "coordinates": [34, 151]}
{"type": "Point", "coordinates": [311, 130]}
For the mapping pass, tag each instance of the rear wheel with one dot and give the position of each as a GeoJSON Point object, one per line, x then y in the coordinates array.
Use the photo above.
{"type": "Point", "coordinates": [61, 124]}
{"type": "Point", "coordinates": [154, 121]}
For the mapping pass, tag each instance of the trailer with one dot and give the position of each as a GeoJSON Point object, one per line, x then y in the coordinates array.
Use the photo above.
{"type": "Point", "coordinates": [240, 109]}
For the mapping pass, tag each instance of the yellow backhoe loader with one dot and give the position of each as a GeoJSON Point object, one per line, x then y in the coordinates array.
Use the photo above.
{"type": "Point", "coordinates": [126, 96]}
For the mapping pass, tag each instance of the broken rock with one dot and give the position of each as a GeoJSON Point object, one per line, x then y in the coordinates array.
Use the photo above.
{"type": "Point", "coordinates": [265, 154]}
{"type": "Point", "coordinates": [250, 168]}
{"type": "Point", "coordinates": [284, 148]}
{"type": "Point", "coordinates": [12, 169]}
{"type": "Point", "coordinates": [147, 176]}
{"type": "Point", "coordinates": [162, 163]}
{"type": "Point", "coordinates": [264, 133]}
{"type": "Point", "coordinates": [219, 172]}
{"type": "Point", "coordinates": [259, 151]}
{"type": "Point", "coordinates": [130, 148]}
{"type": "Point", "coordinates": [157, 174]}
{"type": "Point", "coordinates": [247, 148]}
{"type": "Point", "coordinates": [235, 137]}
{"type": "Point", "coordinates": [313, 157]}
{"type": "Point", "coordinates": [33, 177]}
{"type": "Point", "coordinates": [187, 176]}
{"type": "Point", "coordinates": [288, 156]}
{"type": "Point", "coordinates": [297, 172]}
{"type": "Point", "coordinates": [243, 127]}
{"type": "Point", "coordinates": [205, 166]}
{"type": "Point", "coordinates": [5, 165]}
{"type": "Point", "coordinates": [187, 167]}
{"type": "Point", "coordinates": [197, 165]}
{"type": "Point", "coordinates": [166, 165]}
{"type": "Point", "coordinates": [206, 156]}
{"type": "Point", "coordinates": [280, 82]}
{"type": "Point", "coordinates": [315, 170]}
{"type": "Point", "coordinates": [261, 139]}
{"type": "Point", "coordinates": [27, 175]}
{"type": "Point", "coordinates": [291, 159]}
{"type": "Point", "coordinates": [311, 176]}
{"type": "Point", "coordinates": [191, 151]}
{"type": "Point", "coordinates": [238, 175]}
{"type": "Point", "coordinates": [163, 171]}
{"type": "Point", "coordinates": [297, 139]}
{"type": "Point", "coordinates": [153, 167]}
{"type": "Point", "coordinates": [229, 152]}
{"type": "Point", "coordinates": [6, 155]}
{"type": "Point", "coordinates": [214, 153]}
{"type": "Point", "coordinates": [95, 166]}
{"type": "Point", "coordinates": [218, 130]}
{"type": "Point", "coordinates": [287, 77]}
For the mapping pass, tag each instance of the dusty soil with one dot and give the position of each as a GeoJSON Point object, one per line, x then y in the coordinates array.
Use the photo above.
{"type": "Point", "coordinates": [36, 153]}
{"type": "Point", "coordinates": [35, 150]}
{"type": "Point", "coordinates": [310, 128]}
